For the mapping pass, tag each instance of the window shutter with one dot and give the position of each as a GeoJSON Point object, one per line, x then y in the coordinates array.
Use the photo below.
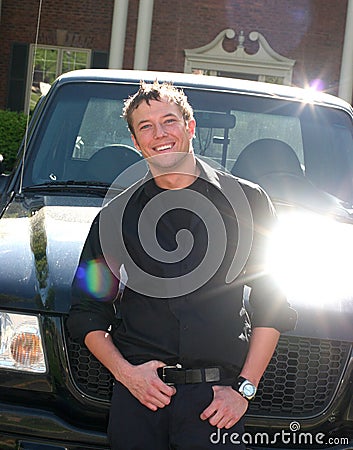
{"type": "Point", "coordinates": [18, 75]}
{"type": "Point", "coordinates": [99, 60]}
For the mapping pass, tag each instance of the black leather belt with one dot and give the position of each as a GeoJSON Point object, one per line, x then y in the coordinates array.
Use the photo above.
{"type": "Point", "coordinates": [179, 375]}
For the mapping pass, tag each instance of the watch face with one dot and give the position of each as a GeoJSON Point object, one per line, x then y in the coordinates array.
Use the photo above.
{"type": "Point", "coordinates": [245, 388]}
{"type": "Point", "coordinates": [249, 390]}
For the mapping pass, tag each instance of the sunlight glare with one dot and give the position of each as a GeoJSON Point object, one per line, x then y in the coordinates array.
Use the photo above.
{"type": "Point", "coordinates": [311, 258]}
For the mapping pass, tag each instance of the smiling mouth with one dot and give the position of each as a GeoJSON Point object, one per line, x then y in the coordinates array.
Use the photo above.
{"type": "Point", "coordinates": [163, 148]}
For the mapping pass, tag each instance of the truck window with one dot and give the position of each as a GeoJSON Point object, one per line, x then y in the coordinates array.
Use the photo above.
{"type": "Point", "coordinates": [84, 118]}
{"type": "Point", "coordinates": [101, 126]}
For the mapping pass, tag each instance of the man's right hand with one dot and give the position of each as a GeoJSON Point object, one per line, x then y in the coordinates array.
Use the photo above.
{"type": "Point", "coordinates": [141, 380]}
{"type": "Point", "coordinates": [144, 383]}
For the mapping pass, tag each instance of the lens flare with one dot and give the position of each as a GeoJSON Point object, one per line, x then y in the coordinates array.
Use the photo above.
{"type": "Point", "coordinates": [317, 85]}
{"type": "Point", "coordinates": [97, 280]}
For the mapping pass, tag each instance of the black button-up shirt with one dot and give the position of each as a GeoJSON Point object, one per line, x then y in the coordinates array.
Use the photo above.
{"type": "Point", "coordinates": [183, 299]}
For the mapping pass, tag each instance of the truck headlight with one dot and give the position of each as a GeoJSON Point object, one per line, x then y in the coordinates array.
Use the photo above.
{"type": "Point", "coordinates": [21, 343]}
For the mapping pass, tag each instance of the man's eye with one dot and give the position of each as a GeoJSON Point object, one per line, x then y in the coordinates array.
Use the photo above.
{"type": "Point", "coordinates": [145, 127]}
{"type": "Point", "coordinates": [170, 121]}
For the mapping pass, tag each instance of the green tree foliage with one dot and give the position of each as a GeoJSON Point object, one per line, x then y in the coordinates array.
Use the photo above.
{"type": "Point", "coordinates": [12, 130]}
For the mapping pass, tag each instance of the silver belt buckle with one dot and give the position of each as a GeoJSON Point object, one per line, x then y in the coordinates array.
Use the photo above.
{"type": "Point", "coordinates": [177, 366]}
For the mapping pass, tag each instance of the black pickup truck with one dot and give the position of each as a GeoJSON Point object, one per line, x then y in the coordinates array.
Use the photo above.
{"type": "Point", "coordinates": [297, 144]}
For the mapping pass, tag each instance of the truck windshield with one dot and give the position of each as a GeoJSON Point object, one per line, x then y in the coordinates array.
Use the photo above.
{"type": "Point", "coordinates": [269, 141]}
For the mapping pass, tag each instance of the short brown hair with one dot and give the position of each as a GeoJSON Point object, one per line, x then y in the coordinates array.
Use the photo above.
{"type": "Point", "coordinates": [156, 91]}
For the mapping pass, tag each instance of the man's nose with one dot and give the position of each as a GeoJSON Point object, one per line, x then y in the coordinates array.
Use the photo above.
{"type": "Point", "coordinates": [159, 130]}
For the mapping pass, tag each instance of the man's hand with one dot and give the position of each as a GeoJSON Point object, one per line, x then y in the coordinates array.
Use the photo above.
{"type": "Point", "coordinates": [144, 383]}
{"type": "Point", "coordinates": [142, 380]}
{"type": "Point", "coordinates": [226, 408]}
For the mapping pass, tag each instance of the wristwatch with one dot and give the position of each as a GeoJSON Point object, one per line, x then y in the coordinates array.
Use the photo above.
{"type": "Point", "coordinates": [245, 387]}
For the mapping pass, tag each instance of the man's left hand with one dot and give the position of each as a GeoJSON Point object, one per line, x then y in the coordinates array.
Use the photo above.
{"type": "Point", "coordinates": [226, 408]}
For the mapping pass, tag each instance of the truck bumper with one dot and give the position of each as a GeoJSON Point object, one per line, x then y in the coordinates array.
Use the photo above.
{"type": "Point", "coordinates": [37, 429]}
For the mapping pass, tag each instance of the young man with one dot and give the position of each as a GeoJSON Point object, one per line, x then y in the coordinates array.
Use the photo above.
{"type": "Point", "coordinates": [189, 238]}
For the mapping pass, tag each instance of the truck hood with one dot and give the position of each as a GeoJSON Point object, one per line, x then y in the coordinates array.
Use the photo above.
{"type": "Point", "coordinates": [41, 238]}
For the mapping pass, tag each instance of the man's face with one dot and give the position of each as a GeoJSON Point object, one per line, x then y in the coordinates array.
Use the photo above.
{"type": "Point", "coordinates": [161, 133]}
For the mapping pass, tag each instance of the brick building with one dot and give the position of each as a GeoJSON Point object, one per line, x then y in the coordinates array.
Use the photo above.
{"type": "Point", "coordinates": [295, 41]}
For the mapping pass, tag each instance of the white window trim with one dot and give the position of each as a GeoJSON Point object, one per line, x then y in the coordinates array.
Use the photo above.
{"type": "Point", "coordinates": [265, 62]}
{"type": "Point", "coordinates": [58, 64]}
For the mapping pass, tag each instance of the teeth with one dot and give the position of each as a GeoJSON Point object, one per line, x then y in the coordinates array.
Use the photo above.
{"type": "Point", "coordinates": [163, 147]}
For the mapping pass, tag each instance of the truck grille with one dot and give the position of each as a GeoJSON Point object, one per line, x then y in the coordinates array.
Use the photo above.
{"type": "Point", "coordinates": [300, 380]}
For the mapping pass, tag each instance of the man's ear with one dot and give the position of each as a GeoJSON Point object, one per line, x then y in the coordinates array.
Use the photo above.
{"type": "Point", "coordinates": [135, 142]}
{"type": "Point", "coordinates": [191, 127]}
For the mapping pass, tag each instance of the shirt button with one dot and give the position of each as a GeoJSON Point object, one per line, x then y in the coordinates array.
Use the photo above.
{"type": "Point", "coordinates": [185, 327]}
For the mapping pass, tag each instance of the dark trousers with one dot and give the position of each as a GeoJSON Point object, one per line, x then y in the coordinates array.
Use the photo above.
{"type": "Point", "coordinates": [178, 426]}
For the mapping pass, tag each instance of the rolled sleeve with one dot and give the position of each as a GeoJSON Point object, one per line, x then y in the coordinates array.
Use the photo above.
{"type": "Point", "coordinates": [81, 322]}
{"type": "Point", "coordinates": [269, 306]}
{"type": "Point", "coordinates": [94, 290]}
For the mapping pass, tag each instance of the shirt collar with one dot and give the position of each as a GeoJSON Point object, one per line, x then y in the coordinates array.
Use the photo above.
{"type": "Point", "coordinates": [207, 173]}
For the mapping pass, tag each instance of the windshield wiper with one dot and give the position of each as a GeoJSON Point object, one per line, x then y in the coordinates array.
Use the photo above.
{"type": "Point", "coordinates": [72, 185]}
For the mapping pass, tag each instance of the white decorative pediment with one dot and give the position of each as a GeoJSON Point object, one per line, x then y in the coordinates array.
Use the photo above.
{"type": "Point", "coordinates": [265, 63]}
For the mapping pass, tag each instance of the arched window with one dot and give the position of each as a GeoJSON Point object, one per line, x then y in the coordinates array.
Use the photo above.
{"type": "Point", "coordinates": [264, 65]}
